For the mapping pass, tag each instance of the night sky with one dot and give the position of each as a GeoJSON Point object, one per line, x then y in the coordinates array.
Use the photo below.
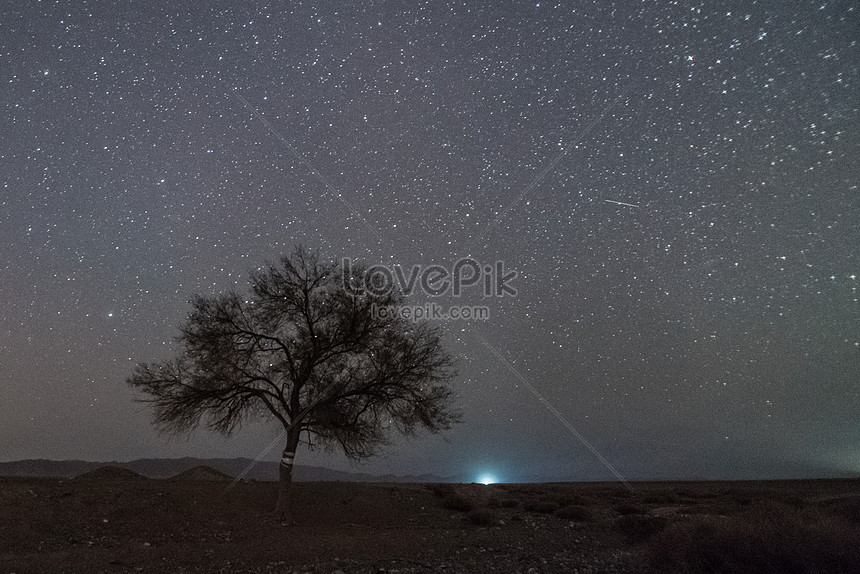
{"type": "Point", "coordinates": [675, 184]}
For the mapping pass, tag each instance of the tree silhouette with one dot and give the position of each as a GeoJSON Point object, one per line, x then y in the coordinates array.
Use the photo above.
{"type": "Point", "coordinates": [311, 350]}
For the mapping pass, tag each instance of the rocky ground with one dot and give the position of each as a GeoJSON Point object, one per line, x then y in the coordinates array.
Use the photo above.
{"type": "Point", "coordinates": [131, 525]}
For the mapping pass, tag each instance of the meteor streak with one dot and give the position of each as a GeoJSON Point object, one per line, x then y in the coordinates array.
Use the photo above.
{"type": "Point", "coordinates": [621, 203]}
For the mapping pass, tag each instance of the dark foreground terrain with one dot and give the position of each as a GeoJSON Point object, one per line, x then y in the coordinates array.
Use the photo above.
{"type": "Point", "coordinates": [136, 525]}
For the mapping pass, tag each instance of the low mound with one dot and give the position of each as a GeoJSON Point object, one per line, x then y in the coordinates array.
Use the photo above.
{"type": "Point", "coordinates": [202, 473]}
{"type": "Point", "coordinates": [848, 507]}
{"type": "Point", "coordinates": [110, 473]}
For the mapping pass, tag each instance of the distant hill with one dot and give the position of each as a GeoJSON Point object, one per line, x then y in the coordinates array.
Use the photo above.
{"type": "Point", "coordinates": [206, 473]}
{"type": "Point", "coordinates": [268, 470]}
{"type": "Point", "coordinates": [172, 467]}
{"type": "Point", "coordinates": [110, 473]}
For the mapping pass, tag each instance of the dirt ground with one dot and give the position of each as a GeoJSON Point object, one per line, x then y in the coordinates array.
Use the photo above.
{"type": "Point", "coordinates": [113, 526]}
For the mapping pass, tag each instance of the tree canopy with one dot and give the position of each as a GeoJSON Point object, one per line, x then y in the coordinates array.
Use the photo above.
{"type": "Point", "coordinates": [308, 350]}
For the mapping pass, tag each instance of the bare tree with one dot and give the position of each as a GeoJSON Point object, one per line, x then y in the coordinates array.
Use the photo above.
{"type": "Point", "coordinates": [314, 353]}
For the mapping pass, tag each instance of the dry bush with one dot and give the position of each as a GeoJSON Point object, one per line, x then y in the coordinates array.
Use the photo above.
{"type": "Point", "coordinates": [455, 501]}
{"type": "Point", "coordinates": [571, 499]}
{"type": "Point", "coordinates": [621, 493]}
{"type": "Point", "coordinates": [790, 499]}
{"type": "Point", "coordinates": [847, 507]}
{"type": "Point", "coordinates": [767, 539]}
{"type": "Point", "coordinates": [482, 517]}
{"type": "Point", "coordinates": [660, 498]}
{"type": "Point", "coordinates": [626, 508]}
{"type": "Point", "coordinates": [530, 490]}
{"type": "Point", "coordinates": [696, 493]}
{"type": "Point", "coordinates": [540, 506]}
{"type": "Point", "coordinates": [507, 502]}
{"type": "Point", "coordinates": [451, 499]}
{"type": "Point", "coordinates": [639, 527]}
{"type": "Point", "coordinates": [715, 509]}
{"type": "Point", "coordinates": [575, 512]}
{"type": "Point", "coordinates": [441, 490]}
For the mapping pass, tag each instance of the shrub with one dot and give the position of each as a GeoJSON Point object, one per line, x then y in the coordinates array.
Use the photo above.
{"type": "Point", "coordinates": [496, 502]}
{"type": "Point", "coordinates": [792, 500]}
{"type": "Point", "coordinates": [660, 498]}
{"type": "Point", "coordinates": [441, 489]}
{"type": "Point", "coordinates": [541, 506]}
{"type": "Point", "coordinates": [451, 499]}
{"type": "Point", "coordinates": [454, 501]}
{"type": "Point", "coordinates": [766, 539]}
{"type": "Point", "coordinates": [639, 527]}
{"type": "Point", "coordinates": [568, 500]}
{"type": "Point", "coordinates": [625, 509]}
{"type": "Point", "coordinates": [699, 492]}
{"type": "Point", "coordinates": [716, 508]}
{"type": "Point", "coordinates": [575, 512]}
{"type": "Point", "coordinates": [847, 507]}
{"type": "Point", "coordinates": [482, 517]}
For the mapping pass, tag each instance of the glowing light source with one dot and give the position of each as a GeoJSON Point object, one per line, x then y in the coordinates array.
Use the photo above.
{"type": "Point", "coordinates": [487, 479]}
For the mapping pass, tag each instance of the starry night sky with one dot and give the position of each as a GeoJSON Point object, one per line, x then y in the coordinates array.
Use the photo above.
{"type": "Point", "coordinates": [710, 328]}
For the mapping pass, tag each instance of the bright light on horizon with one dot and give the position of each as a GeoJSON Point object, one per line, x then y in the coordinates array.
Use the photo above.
{"type": "Point", "coordinates": [487, 479]}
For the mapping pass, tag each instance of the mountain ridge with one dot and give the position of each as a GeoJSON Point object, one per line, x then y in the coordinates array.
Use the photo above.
{"type": "Point", "coordinates": [162, 468]}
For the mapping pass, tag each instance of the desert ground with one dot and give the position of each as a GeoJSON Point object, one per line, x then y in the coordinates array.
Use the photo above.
{"type": "Point", "coordinates": [116, 522]}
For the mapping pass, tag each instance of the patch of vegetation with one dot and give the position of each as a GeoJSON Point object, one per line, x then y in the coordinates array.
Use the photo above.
{"type": "Point", "coordinates": [540, 506]}
{"type": "Point", "coordinates": [702, 493]}
{"type": "Point", "coordinates": [627, 508]}
{"type": "Point", "coordinates": [524, 489]}
{"type": "Point", "coordinates": [768, 539]}
{"type": "Point", "coordinates": [569, 500]}
{"type": "Point", "coordinates": [846, 507]}
{"type": "Point", "coordinates": [575, 512]}
{"type": "Point", "coordinates": [660, 498]}
{"type": "Point", "coordinates": [441, 489]}
{"type": "Point", "coordinates": [482, 517]}
{"type": "Point", "coordinates": [639, 527]}
{"type": "Point", "coordinates": [497, 502]}
{"type": "Point", "coordinates": [455, 501]}
{"type": "Point", "coordinates": [621, 493]}
{"type": "Point", "coordinates": [714, 509]}
{"type": "Point", "coordinates": [791, 500]}
{"type": "Point", "coordinates": [451, 499]}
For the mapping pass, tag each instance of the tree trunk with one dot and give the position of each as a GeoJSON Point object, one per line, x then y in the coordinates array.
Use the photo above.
{"type": "Point", "coordinates": [283, 508]}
